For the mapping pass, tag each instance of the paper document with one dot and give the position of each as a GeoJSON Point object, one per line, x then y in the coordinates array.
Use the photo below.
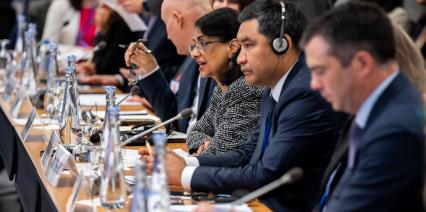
{"type": "Point", "coordinates": [22, 121]}
{"type": "Point", "coordinates": [177, 136]}
{"type": "Point", "coordinates": [132, 20]}
{"type": "Point", "coordinates": [99, 99]}
{"type": "Point", "coordinates": [217, 207]}
{"type": "Point", "coordinates": [180, 152]}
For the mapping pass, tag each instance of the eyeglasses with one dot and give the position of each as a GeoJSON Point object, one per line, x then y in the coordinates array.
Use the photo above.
{"type": "Point", "coordinates": [202, 45]}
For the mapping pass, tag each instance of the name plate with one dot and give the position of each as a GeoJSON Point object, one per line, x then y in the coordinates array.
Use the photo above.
{"type": "Point", "coordinates": [15, 106]}
{"type": "Point", "coordinates": [57, 165]}
{"type": "Point", "coordinates": [29, 124]}
{"type": "Point", "coordinates": [54, 142]}
{"type": "Point", "coordinates": [8, 89]}
{"type": "Point", "coordinates": [75, 191]}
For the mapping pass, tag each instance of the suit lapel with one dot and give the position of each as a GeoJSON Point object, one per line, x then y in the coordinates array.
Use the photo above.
{"type": "Point", "coordinates": [263, 117]}
{"type": "Point", "coordinates": [278, 108]}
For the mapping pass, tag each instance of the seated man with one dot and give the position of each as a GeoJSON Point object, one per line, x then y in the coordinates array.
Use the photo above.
{"type": "Point", "coordinates": [187, 89]}
{"type": "Point", "coordinates": [351, 53]}
{"type": "Point", "coordinates": [297, 127]}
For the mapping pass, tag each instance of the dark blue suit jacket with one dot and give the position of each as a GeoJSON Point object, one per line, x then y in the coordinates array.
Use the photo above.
{"type": "Point", "coordinates": [163, 49]}
{"type": "Point", "coordinates": [389, 167]}
{"type": "Point", "coordinates": [304, 133]}
{"type": "Point", "coordinates": [166, 104]}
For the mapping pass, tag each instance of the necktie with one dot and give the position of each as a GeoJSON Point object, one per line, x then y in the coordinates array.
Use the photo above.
{"type": "Point", "coordinates": [268, 124]}
{"type": "Point", "coordinates": [354, 135]}
{"type": "Point", "coordinates": [326, 194]}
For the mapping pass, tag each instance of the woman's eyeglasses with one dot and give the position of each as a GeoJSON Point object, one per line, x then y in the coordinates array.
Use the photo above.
{"type": "Point", "coordinates": [202, 45]}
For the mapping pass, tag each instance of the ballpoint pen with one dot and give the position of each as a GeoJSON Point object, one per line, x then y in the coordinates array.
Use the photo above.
{"type": "Point", "coordinates": [148, 147]}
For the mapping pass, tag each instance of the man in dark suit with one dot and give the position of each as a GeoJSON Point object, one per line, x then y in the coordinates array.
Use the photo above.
{"type": "Point", "coordinates": [351, 53]}
{"type": "Point", "coordinates": [297, 127]}
{"type": "Point", "coordinates": [186, 89]}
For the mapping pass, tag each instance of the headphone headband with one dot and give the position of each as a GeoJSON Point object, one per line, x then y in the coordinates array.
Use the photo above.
{"type": "Point", "coordinates": [280, 44]}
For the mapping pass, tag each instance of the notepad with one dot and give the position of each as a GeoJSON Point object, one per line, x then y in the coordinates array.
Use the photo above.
{"type": "Point", "coordinates": [100, 100]}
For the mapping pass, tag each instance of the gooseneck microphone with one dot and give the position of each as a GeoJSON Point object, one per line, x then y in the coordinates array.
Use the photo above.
{"type": "Point", "coordinates": [293, 175]}
{"type": "Point", "coordinates": [100, 46]}
{"type": "Point", "coordinates": [185, 113]}
{"type": "Point", "coordinates": [134, 91]}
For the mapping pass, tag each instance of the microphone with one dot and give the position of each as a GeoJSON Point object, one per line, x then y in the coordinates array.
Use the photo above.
{"type": "Point", "coordinates": [293, 175]}
{"type": "Point", "coordinates": [185, 113]}
{"type": "Point", "coordinates": [134, 91]}
{"type": "Point", "coordinates": [100, 46]}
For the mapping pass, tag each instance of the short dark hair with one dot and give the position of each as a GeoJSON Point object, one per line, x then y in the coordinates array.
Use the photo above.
{"type": "Point", "coordinates": [76, 4]}
{"type": "Point", "coordinates": [223, 24]}
{"type": "Point", "coordinates": [243, 3]}
{"type": "Point", "coordinates": [268, 14]}
{"type": "Point", "coordinates": [352, 27]}
{"type": "Point", "coordinates": [387, 5]}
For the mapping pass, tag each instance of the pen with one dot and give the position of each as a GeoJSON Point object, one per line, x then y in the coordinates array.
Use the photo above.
{"type": "Point", "coordinates": [148, 147]}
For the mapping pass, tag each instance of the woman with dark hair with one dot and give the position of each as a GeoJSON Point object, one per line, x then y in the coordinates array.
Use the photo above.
{"type": "Point", "coordinates": [235, 107]}
{"type": "Point", "coordinates": [111, 30]}
{"type": "Point", "coordinates": [237, 5]}
{"type": "Point", "coordinates": [71, 22]}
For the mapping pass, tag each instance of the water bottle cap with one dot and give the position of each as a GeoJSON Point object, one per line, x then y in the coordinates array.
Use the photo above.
{"type": "Point", "coordinates": [52, 46]}
{"type": "Point", "coordinates": [72, 58]}
{"type": "Point", "coordinates": [110, 88]}
{"type": "Point", "coordinates": [70, 70]}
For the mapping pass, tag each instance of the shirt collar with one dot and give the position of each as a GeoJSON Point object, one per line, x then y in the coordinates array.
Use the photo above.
{"type": "Point", "coordinates": [366, 107]}
{"type": "Point", "coordinates": [276, 90]}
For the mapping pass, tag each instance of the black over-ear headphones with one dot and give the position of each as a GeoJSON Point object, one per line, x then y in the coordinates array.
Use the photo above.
{"type": "Point", "coordinates": [280, 44]}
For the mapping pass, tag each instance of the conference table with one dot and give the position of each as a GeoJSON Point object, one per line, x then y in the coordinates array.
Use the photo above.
{"type": "Point", "coordinates": [22, 161]}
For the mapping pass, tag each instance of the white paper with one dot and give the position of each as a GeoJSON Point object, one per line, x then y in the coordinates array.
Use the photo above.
{"type": "Point", "coordinates": [132, 20]}
{"type": "Point", "coordinates": [22, 121]}
{"type": "Point", "coordinates": [131, 154]}
{"type": "Point", "coordinates": [180, 152]}
{"type": "Point", "coordinates": [66, 50]}
{"type": "Point", "coordinates": [95, 203]}
{"type": "Point", "coordinates": [100, 100]}
{"type": "Point", "coordinates": [177, 136]}
{"type": "Point", "coordinates": [130, 158]}
{"type": "Point", "coordinates": [217, 208]}
{"type": "Point", "coordinates": [133, 112]}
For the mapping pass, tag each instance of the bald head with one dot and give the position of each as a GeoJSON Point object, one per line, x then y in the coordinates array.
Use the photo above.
{"type": "Point", "coordinates": [184, 5]}
{"type": "Point", "coordinates": [179, 17]}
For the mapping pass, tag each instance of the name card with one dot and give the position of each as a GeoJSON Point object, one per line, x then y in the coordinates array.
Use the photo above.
{"type": "Point", "coordinates": [15, 106]}
{"type": "Point", "coordinates": [29, 124]}
{"type": "Point", "coordinates": [75, 191]}
{"type": "Point", "coordinates": [8, 90]}
{"type": "Point", "coordinates": [54, 142]}
{"type": "Point", "coordinates": [57, 165]}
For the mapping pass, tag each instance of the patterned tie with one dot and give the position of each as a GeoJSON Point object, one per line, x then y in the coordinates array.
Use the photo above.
{"type": "Point", "coordinates": [268, 124]}
{"type": "Point", "coordinates": [354, 135]}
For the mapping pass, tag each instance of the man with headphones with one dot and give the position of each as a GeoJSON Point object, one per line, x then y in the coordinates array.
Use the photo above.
{"type": "Point", "coordinates": [297, 127]}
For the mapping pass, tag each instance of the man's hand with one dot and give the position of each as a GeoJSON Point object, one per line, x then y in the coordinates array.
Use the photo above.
{"type": "Point", "coordinates": [175, 166]}
{"type": "Point", "coordinates": [86, 68]}
{"type": "Point", "coordinates": [138, 54]}
{"type": "Point", "coordinates": [204, 207]}
{"type": "Point", "coordinates": [132, 6]}
{"type": "Point", "coordinates": [147, 159]}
